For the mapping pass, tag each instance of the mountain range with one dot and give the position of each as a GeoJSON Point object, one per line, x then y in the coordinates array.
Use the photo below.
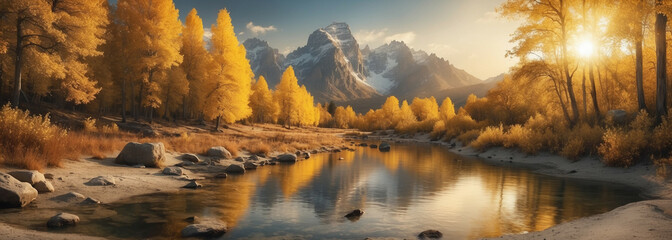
{"type": "Point", "coordinates": [334, 67]}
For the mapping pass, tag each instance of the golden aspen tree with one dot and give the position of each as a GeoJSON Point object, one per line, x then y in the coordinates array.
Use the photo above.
{"type": "Point", "coordinates": [230, 88]}
{"type": "Point", "coordinates": [388, 113]}
{"type": "Point", "coordinates": [406, 119]}
{"type": "Point", "coordinates": [344, 117]}
{"type": "Point", "coordinates": [264, 108]}
{"type": "Point", "coordinates": [175, 88]}
{"type": "Point", "coordinates": [306, 114]}
{"type": "Point", "coordinates": [153, 32]}
{"type": "Point", "coordinates": [325, 117]}
{"type": "Point", "coordinates": [425, 108]}
{"type": "Point", "coordinates": [62, 33]}
{"type": "Point", "coordinates": [285, 95]}
{"type": "Point", "coordinates": [195, 63]}
{"type": "Point", "coordinates": [447, 110]}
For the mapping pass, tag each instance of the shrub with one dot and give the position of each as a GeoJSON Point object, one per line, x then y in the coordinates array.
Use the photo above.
{"type": "Point", "coordinates": [257, 147]}
{"type": "Point", "coordinates": [31, 142]}
{"type": "Point", "coordinates": [622, 147]}
{"type": "Point", "coordinates": [662, 136]}
{"type": "Point", "coordinates": [438, 130]}
{"type": "Point", "coordinates": [110, 128]}
{"type": "Point", "coordinates": [469, 136]}
{"type": "Point", "coordinates": [90, 125]}
{"type": "Point", "coordinates": [490, 137]}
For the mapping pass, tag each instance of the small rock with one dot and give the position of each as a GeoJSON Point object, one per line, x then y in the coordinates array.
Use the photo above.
{"type": "Point", "coordinates": [430, 234]}
{"type": "Point", "coordinates": [191, 157]}
{"type": "Point", "coordinates": [176, 171]}
{"type": "Point", "coordinates": [219, 152]}
{"type": "Point", "coordinates": [240, 159]}
{"type": "Point", "coordinates": [314, 151]}
{"type": "Point", "coordinates": [139, 166]}
{"type": "Point", "coordinates": [62, 220]}
{"type": "Point", "coordinates": [101, 181]}
{"type": "Point", "coordinates": [220, 175]}
{"type": "Point", "coordinates": [384, 147]}
{"type": "Point", "coordinates": [363, 145]}
{"type": "Point", "coordinates": [90, 201]}
{"type": "Point", "coordinates": [336, 150]}
{"type": "Point", "coordinates": [355, 214]}
{"type": "Point", "coordinates": [340, 158]}
{"type": "Point", "coordinates": [210, 229]}
{"type": "Point", "coordinates": [306, 155]}
{"type": "Point", "coordinates": [373, 146]}
{"type": "Point", "coordinates": [185, 163]}
{"type": "Point", "coordinates": [43, 187]}
{"type": "Point", "coordinates": [287, 158]}
{"type": "Point", "coordinates": [28, 176]}
{"type": "Point", "coordinates": [49, 176]}
{"type": "Point", "coordinates": [235, 168]}
{"type": "Point", "coordinates": [250, 165]}
{"type": "Point", "coordinates": [192, 219]}
{"type": "Point", "coordinates": [254, 157]}
{"type": "Point", "coordinates": [193, 184]}
{"type": "Point", "coordinates": [572, 172]}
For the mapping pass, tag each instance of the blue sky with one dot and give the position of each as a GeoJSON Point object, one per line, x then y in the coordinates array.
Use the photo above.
{"type": "Point", "coordinates": [466, 32]}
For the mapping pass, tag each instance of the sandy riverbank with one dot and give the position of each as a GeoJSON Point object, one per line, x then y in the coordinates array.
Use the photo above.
{"type": "Point", "coordinates": [650, 219]}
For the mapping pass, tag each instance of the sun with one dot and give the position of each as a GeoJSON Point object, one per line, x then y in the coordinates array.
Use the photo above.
{"type": "Point", "coordinates": [585, 48]}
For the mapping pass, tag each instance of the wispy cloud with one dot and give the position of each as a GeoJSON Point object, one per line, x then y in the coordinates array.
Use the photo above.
{"type": "Point", "coordinates": [257, 30]}
{"type": "Point", "coordinates": [370, 37]}
{"type": "Point", "coordinates": [442, 49]}
{"type": "Point", "coordinates": [207, 34]}
{"type": "Point", "coordinates": [488, 17]}
{"type": "Point", "coordinates": [407, 37]}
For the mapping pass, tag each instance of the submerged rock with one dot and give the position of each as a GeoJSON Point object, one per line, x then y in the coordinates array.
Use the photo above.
{"type": "Point", "coordinates": [430, 234]}
{"type": "Point", "coordinates": [176, 171]}
{"type": "Point", "coordinates": [14, 193]}
{"type": "Point", "coordinates": [384, 147]}
{"type": "Point", "coordinates": [221, 175]}
{"type": "Point", "coordinates": [235, 168]}
{"type": "Point", "coordinates": [146, 154]}
{"type": "Point", "coordinates": [43, 187]}
{"type": "Point", "coordinates": [355, 214]}
{"type": "Point", "coordinates": [101, 181]}
{"type": "Point", "coordinates": [250, 165]}
{"type": "Point", "coordinates": [287, 158]}
{"type": "Point", "coordinates": [219, 152]}
{"type": "Point", "coordinates": [373, 146]}
{"type": "Point", "coordinates": [193, 184]}
{"type": "Point", "coordinates": [28, 176]}
{"type": "Point", "coordinates": [62, 220]}
{"type": "Point", "coordinates": [209, 229]}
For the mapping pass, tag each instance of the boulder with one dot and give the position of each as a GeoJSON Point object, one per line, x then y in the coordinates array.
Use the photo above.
{"type": "Point", "coordinates": [193, 184]}
{"type": "Point", "coordinates": [235, 168]}
{"type": "Point", "coordinates": [69, 197]}
{"type": "Point", "coordinates": [14, 193]}
{"type": "Point", "coordinates": [190, 157]}
{"type": "Point", "coordinates": [250, 165]}
{"type": "Point", "coordinates": [430, 234]}
{"type": "Point", "coordinates": [49, 176]}
{"type": "Point", "coordinates": [384, 147]}
{"type": "Point", "coordinates": [219, 152]}
{"type": "Point", "coordinates": [355, 214]}
{"type": "Point", "coordinates": [101, 181]}
{"type": "Point", "coordinates": [28, 176]}
{"type": "Point", "coordinates": [62, 220]}
{"type": "Point", "coordinates": [306, 155]}
{"type": "Point", "coordinates": [288, 158]}
{"type": "Point", "coordinates": [240, 159]}
{"type": "Point", "coordinates": [617, 116]}
{"type": "Point", "coordinates": [43, 186]}
{"type": "Point", "coordinates": [211, 229]}
{"type": "Point", "coordinates": [145, 154]}
{"type": "Point", "coordinates": [177, 171]}
{"type": "Point", "coordinates": [90, 201]}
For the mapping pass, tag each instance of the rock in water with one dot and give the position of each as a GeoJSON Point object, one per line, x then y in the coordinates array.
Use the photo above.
{"type": "Point", "coordinates": [14, 193]}
{"type": "Point", "coordinates": [373, 146]}
{"type": "Point", "coordinates": [430, 234]}
{"type": "Point", "coordinates": [191, 158]}
{"type": "Point", "coordinates": [146, 154]}
{"type": "Point", "coordinates": [62, 220]}
{"type": "Point", "coordinates": [384, 147]}
{"type": "Point", "coordinates": [306, 155]}
{"type": "Point", "coordinates": [221, 175]}
{"type": "Point", "coordinates": [43, 187]}
{"type": "Point", "coordinates": [101, 181]}
{"type": "Point", "coordinates": [287, 158]}
{"type": "Point", "coordinates": [219, 152]}
{"type": "Point", "coordinates": [193, 184]}
{"type": "Point", "coordinates": [250, 165]}
{"type": "Point", "coordinates": [177, 171]}
{"type": "Point", "coordinates": [210, 229]}
{"type": "Point", "coordinates": [355, 214]}
{"type": "Point", "coordinates": [235, 168]}
{"type": "Point", "coordinates": [28, 176]}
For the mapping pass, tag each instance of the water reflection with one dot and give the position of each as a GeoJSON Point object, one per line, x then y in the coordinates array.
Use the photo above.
{"type": "Point", "coordinates": [404, 191]}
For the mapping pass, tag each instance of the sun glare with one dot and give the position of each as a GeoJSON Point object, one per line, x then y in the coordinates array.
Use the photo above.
{"type": "Point", "coordinates": [585, 48]}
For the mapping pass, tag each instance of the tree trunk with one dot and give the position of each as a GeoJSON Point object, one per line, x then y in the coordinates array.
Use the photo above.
{"type": "Point", "coordinates": [133, 99]}
{"type": "Point", "coordinates": [217, 123]}
{"type": "Point", "coordinates": [1, 84]}
{"type": "Point", "coordinates": [18, 61]}
{"type": "Point", "coordinates": [593, 91]}
{"type": "Point", "coordinates": [165, 113]}
{"type": "Point", "coordinates": [639, 65]}
{"type": "Point", "coordinates": [661, 64]}
{"type": "Point", "coordinates": [585, 99]}
{"type": "Point", "coordinates": [184, 107]}
{"type": "Point", "coordinates": [151, 111]}
{"type": "Point", "coordinates": [123, 100]}
{"type": "Point", "coordinates": [568, 76]}
{"type": "Point", "coordinates": [140, 108]}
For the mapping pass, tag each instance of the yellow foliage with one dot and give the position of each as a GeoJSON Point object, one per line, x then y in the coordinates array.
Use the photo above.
{"type": "Point", "coordinates": [447, 110]}
{"type": "Point", "coordinates": [425, 108]}
{"type": "Point", "coordinates": [405, 119]}
{"type": "Point", "coordinates": [264, 109]}
{"type": "Point", "coordinates": [90, 125]}
{"type": "Point", "coordinates": [490, 137]}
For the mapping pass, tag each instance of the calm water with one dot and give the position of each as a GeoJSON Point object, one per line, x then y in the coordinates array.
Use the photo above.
{"type": "Point", "coordinates": [403, 192]}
